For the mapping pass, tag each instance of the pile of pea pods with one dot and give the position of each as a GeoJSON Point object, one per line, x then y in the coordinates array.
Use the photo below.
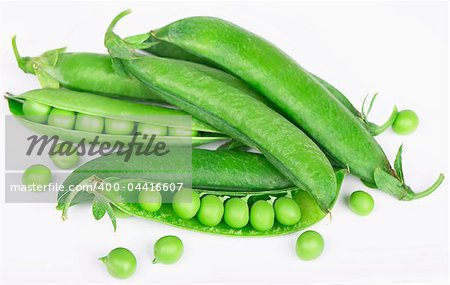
{"type": "Point", "coordinates": [243, 93]}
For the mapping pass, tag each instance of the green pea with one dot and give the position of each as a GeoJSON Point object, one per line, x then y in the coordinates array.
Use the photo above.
{"type": "Point", "coordinates": [262, 216]}
{"type": "Point", "coordinates": [147, 129]}
{"type": "Point", "coordinates": [361, 203]}
{"type": "Point", "coordinates": [89, 123]}
{"type": "Point", "coordinates": [118, 127]}
{"type": "Point", "coordinates": [287, 211]}
{"type": "Point", "coordinates": [406, 122]}
{"type": "Point", "coordinates": [35, 111]}
{"type": "Point", "coordinates": [65, 156]}
{"type": "Point", "coordinates": [38, 175]}
{"type": "Point", "coordinates": [186, 203]}
{"type": "Point", "coordinates": [61, 118]}
{"type": "Point", "coordinates": [168, 250]}
{"type": "Point", "coordinates": [236, 213]}
{"type": "Point", "coordinates": [176, 132]}
{"type": "Point", "coordinates": [120, 262]}
{"type": "Point", "coordinates": [150, 201]}
{"type": "Point", "coordinates": [211, 211]}
{"type": "Point", "coordinates": [309, 245]}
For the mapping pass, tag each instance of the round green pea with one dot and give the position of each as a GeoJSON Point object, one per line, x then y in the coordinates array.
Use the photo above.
{"type": "Point", "coordinates": [147, 129]}
{"type": "Point", "coordinates": [309, 245]}
{"type": "Point", "coordinates": [236, 213]}
{"type": "Point", "coordinates": [120, 262]}
{"type": "Point", "coordinates": [118, 127]}
{"type": "Point", "coordinates": [287, 211]}
{"type": "Point", "coordinates": [61, 118]}
{"type": "Point", "coordinates": [176, 132]}
{"type": "Point", "coordinates": [37, 175]}
{"type": "Point", "coordinates": [262, 216]}
{"type": "Point", "coordinates": [65, 156]}
{"type": "Point", "coordinates": [361, 203]}
{"type": "Point", "coordinates": [89, 123]}
{"type": "Point", "coordinates": [186, 203]}
{"type": "Point", "coordinates": [150, 201]}
{"type": "Point", "coordinates": [35, 111]}
{"type": "Point", "coordinates": [211, 211]}
{"type": "Point", "coordinates": [168, 250]}
{"type": "Point", "coordinates": [406, 122]}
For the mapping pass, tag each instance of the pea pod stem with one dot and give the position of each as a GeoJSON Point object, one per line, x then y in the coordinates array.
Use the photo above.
{"type": "Point", "coordinates": [431, 189]}
{"type": "Point", "coordinates": [373, 128]}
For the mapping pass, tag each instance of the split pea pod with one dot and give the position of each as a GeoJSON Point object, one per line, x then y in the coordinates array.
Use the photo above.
{"type": "Point", "coordinates": [301, 97]}
{"type": "Point", "coordinates": [236, 114]}
{"type": "Point", "coordinates": [76, 116]}
{"type": "Point", "coordinates": [248, 180]}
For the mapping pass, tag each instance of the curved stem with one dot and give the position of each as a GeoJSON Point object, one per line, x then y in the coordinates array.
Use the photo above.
{"type": "Point", "coordinates": [116, 19]}
{"type": "Point", "coordinates": [375, 130]}
{"type": "Point", "coordinates": [430, 189]}
{"type": "Point", "coordinates": [25, 63]}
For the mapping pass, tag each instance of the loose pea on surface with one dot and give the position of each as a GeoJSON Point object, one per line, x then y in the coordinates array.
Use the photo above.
{"type": "Point", "coordinates": [168, 250]}
{"type": "Point", "coordinates": [37, 174]}
{"type": "Point", "coordinates": [120, 262]}
{"type": "Point", "coordinates": [89, 123]}
{"type": "Point", "coordinates": [118, 127]}
{"type": "Point", "coordinates": [406, 122]}
{"type": "Point", "coordinates": [61, 118]}
{"type": "Point", "coordinates": [176, 132]}
{"type": "Point", "coordinates": [150, 201]}
{"type": "Point", "coordinates": [35, 111]}
{"type": "Point", "coordinates": [147, 129]}
{"type": "Point", "coordinates": [361, 203]}
{"type": "Point", "coordinates": [211, 210]}
{"type": "Point", "coordinates": [309, 245]}
{"type": "Point", "coordinates": [65, 156]}
{"type": "Point", "coordinates": [262, 216]}
{"type": "Point", "coordinates": [186, 203]}
{"type": "Point", "coordinates": [236, 213]}
{"type": "Point", "coordinates": [287, 211]}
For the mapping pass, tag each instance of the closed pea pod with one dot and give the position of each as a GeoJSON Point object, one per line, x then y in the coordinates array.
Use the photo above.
{"type": "Point", "coordinates": [300, 96]}
{"type": "Point", "coordinates": [245, 118]}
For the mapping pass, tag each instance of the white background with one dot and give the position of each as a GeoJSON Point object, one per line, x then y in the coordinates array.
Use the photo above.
{"type": "Point", "coordinates": [396, 49]}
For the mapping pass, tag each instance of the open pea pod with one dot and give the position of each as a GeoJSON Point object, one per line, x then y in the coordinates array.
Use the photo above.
{"type": "Point", "coordinates": [170, 125]}
{"type": "Point", "coordinates": [225, 174]}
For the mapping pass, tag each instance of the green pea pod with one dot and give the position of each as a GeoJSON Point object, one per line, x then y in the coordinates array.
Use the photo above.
{"type": "Point", "coordinates": [303, 99]}
{"type": "Point", "coordinates": [222, 173]}
{"type": "Point", "coordinates": [97, 73]}
{"type": "Point", "coordinates": [236, 114]}
{"type": "Point", "coordinates": [104, 107]}
{"type": "Point", "coordinates": [166, 49]}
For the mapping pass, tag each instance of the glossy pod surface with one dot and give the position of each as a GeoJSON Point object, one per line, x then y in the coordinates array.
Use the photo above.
{"type": "Point", "coordinates": [99, 110]}
{"type": "Point", "coordinates": [260, 181]}
{"type": "Point", "coordinates": [301, 97]}
{"type": "Point", "coordinates": [242, 117]}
